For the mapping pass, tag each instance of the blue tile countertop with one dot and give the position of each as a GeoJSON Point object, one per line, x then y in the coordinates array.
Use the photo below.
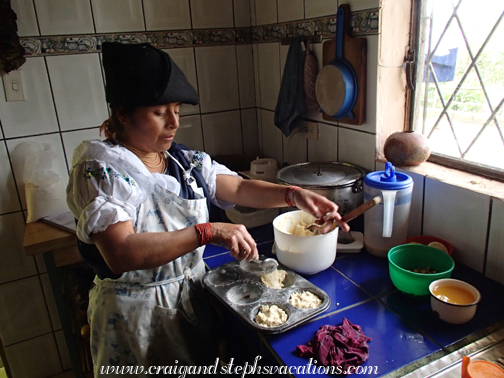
{"type": "Point", "coordinates": [403, 328]}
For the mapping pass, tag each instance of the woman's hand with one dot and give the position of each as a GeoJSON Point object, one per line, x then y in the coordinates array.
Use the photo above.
{"type": "Point", "coordinates": [236, 238]}
{"type": "Point", "coordinates": [323, 209]}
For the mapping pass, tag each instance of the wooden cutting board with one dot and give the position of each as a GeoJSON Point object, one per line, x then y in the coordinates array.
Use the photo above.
{"type": "Point", "coordinates": [355, 53]}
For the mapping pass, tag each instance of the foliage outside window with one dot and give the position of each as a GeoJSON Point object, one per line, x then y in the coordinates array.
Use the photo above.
{"type": "Point", "coordinates": [459, 92]}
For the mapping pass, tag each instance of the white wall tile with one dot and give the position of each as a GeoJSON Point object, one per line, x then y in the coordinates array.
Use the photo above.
{"type": "Point", "coordinates": [269, 74]}
{"type": "Point", "coordinates": [212, 14]}
{"type": "Point", "coordinates": [51, 304]}
{"type": "Point", "coordinates": [416, 210]}
{"type": "Point", "coordinates": [253, 20]}
{"type": "Point", "coordinates": [113, 16]}
{"type": "Point", "coordinates": [271, 137]}
{"type": "Point", "coordinates": [227, 126]}
{"type": "Point", "coordinates": [266, 12]}
{"type": "Point", "coordinates": [43, 360]}
{"type": "Point", "coordinates": [26, 18]}
{"type": "Point", "coordinates": [9, 200]}
{"type": "Point", "coordinates": [217, 78]}
{"type": "Point", "coordinates": [250, 132]}
{"type": "Point", "coordinates": [72, 139]}
{"type": "Point", "coordinates": [184, 59]}
{"type": "Point", "coordinates": [356, 148]}
{"type": "Point", "coordinates": [63, 350]}
{"type": "Point", "coordinates": [495, 257]}
{"type": "Point", "coordinates": [320, 8]}
{"type": "Point", "coordinates": [167, 14]}
{"type": "Point", "coordinates": [460, 217]}
{"type": "Point", "coordinates": [78, 90]}
{"type": "Point", "coordinates": [190, 133]}
{"type": "Point", "coordinates": [255, 54]}
{"type": "Point", "coordinates": [35, 115]}
{"type": "Point", "coordinates": [357, 5]}
{"type": "Point", "coordinates": [19, 322]}
{"type": "Point", "coordinates": [15, 264]}
{"type": "Point", "coordinates": [18, 149]}
{"type": "Point", "coordinates": [290, 10]}
{"type": "Point", "coordinates": [295, 145]}
{"type": "Point", "coordinates": [57, 17]}
{"type": "Point", "coordinates": [260, 130]}
{"type": "Point", "coordinates": [246, 76]}
{"type": "Point", "coordinates": [241, 13]}
{"type": "Point", "coordinates": [326, 147]}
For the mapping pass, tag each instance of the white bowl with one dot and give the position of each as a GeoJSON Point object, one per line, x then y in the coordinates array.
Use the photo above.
{"type": "Point", "coordinates": [454, 313]}
{"type": "Point", "coordinates": [303, 254]}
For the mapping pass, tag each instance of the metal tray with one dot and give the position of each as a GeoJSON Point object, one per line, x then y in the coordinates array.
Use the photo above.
{"type": "Point", "coordinates": [238, 285]}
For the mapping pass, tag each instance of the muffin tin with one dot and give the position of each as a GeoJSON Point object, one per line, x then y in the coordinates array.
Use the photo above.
{"type": "Point", "coordinates": [238, 285]}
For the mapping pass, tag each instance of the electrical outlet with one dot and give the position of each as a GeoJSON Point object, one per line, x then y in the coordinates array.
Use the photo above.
{"type": "Point", "coordinates": [13, 86]}
{"type": "Point", "coordinates": [311, 131]}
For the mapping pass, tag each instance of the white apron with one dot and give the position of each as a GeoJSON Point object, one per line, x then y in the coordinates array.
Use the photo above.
{"type": "Point", "coordinates": [161, 316]}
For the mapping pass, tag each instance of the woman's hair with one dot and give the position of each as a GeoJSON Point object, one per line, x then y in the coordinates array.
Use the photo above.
{"type": "Point", "coordinates": [112, 125]}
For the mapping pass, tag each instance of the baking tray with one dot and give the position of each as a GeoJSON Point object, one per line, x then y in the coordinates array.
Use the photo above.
{"type": "Point", "coordinates": [238, 285]}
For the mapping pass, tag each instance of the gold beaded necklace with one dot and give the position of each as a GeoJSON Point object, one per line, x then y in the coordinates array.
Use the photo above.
{"type": "Point", "coordinates": [152, 164]}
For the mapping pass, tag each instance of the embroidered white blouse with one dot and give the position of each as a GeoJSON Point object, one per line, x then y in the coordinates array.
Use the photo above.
{"type": "Point", "coordinates": [108, 183]}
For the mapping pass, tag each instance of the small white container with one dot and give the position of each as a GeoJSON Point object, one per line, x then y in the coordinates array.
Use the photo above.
{"type": "Point", "coordinates": [303, 254]}
{"type": "Point", "coordinates": [454, 313]}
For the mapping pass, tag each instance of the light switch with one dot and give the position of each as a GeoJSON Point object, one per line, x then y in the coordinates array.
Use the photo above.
{"type": "Point", "coordinates": [13, 86]}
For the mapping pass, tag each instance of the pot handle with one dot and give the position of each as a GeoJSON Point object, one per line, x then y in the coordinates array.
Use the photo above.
{"type": "Point", "coordinates": [357, 186]}
{"type": "Point", "coordinates": [340, 31]}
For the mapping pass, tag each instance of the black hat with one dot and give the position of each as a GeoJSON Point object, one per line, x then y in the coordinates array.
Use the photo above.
{"type": "Point", "coordinates": [142, 75]}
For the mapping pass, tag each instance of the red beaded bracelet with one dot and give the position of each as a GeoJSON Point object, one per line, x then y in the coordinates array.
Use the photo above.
{"type": "Point", "coordinates": [289, 195]}
{"type": "Point", "coordinates": [205, 233]}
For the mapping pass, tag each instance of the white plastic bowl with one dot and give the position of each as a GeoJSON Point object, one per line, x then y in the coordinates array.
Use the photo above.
{"type": "Point", "coordinates": [303, 254]}
{"type": "Point", "coordinates": [454, 313]}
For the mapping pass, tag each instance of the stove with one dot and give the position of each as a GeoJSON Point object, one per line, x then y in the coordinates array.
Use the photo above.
{"type": "Point", "coordinates": [489, 348]}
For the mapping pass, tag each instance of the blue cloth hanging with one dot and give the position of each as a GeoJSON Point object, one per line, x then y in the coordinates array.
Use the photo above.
{"type": "Point", "coordinates": [291, 101]}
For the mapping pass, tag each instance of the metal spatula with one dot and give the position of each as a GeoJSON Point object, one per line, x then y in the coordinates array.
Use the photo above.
{"type": "Point", "coordinates": [268, 265]}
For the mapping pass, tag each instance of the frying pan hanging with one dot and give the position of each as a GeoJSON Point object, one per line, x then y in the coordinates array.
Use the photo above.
{"type": "Point", "coordinates": [336, 85]}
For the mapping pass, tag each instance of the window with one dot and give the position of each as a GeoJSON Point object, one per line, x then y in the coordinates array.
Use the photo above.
{"type": "Point", "coordinates": [459, 88]}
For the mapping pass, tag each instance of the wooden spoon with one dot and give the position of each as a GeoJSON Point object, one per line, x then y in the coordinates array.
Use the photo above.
{"type": "Point", "coordinates": [349, 216]}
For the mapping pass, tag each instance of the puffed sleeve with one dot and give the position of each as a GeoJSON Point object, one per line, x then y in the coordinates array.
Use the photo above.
{"type": "Point", "coordinates": [100, 194]}
{"type": "Point", "coordinates": [210, 169]}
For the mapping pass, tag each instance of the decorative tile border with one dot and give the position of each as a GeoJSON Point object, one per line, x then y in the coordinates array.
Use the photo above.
{"type": "Point", "coordinates": [363, 23]}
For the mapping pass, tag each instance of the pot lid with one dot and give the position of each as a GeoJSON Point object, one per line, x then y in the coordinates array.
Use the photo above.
{"type": "Point", "coordinates": [321, 174]}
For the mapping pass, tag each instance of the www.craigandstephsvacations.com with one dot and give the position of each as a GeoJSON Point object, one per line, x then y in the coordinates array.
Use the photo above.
{"type": "Point", "coordinates": [181, 371]}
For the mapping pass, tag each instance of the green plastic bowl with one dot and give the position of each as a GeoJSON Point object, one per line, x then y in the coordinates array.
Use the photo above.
{"type": "Point", "coordinates": [412, 256]}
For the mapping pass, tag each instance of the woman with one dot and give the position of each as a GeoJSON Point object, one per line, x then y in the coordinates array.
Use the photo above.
{"type": "Point", "coordinates": [143, 201]}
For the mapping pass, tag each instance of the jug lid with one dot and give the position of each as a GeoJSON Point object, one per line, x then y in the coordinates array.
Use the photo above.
{"type": "Point", "coordinates": [388, 179]}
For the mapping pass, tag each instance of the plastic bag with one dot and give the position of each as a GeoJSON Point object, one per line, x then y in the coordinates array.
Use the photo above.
{"type": "Point", "coordinates": [44, 189]}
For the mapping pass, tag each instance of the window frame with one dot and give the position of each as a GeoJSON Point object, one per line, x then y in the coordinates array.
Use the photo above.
{"type": "Point", "coordinates": [412, 62]}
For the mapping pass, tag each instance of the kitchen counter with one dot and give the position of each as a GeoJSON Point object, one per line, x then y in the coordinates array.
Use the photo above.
{"type": "Point", "coordinates": [405, 332]}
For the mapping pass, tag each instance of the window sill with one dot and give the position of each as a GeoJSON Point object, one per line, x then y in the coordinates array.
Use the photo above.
{"type": "Point", "coordinates": [458, 178]}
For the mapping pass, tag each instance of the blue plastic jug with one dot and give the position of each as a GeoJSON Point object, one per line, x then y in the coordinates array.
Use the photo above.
{"type": "Point", "coordinates": [387, 225]}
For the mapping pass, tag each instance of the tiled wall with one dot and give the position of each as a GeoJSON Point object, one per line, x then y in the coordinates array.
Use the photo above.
{"type": "Point", "coordinates": [238, 85]}
{"type": "Point", "coordinates": [65, 104]}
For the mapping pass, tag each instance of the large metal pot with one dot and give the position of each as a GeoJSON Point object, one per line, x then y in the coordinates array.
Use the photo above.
{"type": "Point", "coordinates": [342, 183]}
